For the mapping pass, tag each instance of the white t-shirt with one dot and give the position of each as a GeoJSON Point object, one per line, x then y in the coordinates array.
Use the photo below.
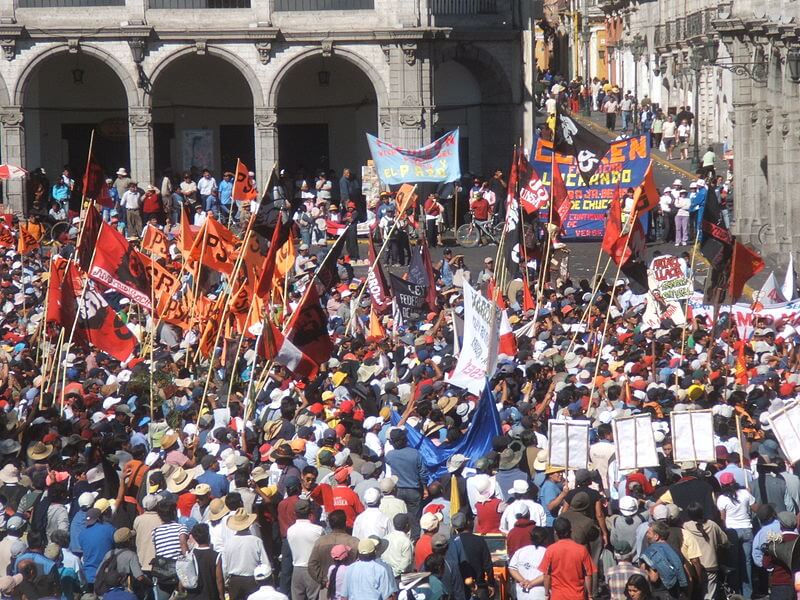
{"type": "Point", "coordinates": [526, 561]}
{"type": "Point", "coordinates": [684, 130]}
{"type": "Point", "coordinates": [535, 511]}
{"type": "Point", "coordinates": [668, 129]}
{"type": "Point", "coordinates": [737, 516]}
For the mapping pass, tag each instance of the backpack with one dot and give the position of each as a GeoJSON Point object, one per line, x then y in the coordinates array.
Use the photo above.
{"type": "Point", "coordinates": [108, 576]}
{"type": "Point", "coordinates": [187, 571]}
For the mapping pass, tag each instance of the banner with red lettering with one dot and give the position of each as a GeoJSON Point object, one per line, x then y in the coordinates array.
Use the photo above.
{"type": "Point", "coordinates": [623, 166]}
{"type": "Point", "coordinates": [438, 162]}
{"type": "Point", "coordinates": [747, 318]}
{"type": "Point", "coordinates": [667, 277]}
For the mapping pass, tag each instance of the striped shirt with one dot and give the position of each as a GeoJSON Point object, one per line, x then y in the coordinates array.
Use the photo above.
{"type": "Point", "coordinates": [617, 579]}
{"type": "Point", "coordinates": [167, 539]}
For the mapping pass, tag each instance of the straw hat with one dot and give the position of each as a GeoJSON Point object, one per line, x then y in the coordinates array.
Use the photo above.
{"type": "Point", "coordinates": [169, 440]}
{"type": "Point", "coordinates": [241, 520]}
{"type": "Point", "coordinates": [179, 480]}
{"type": "Point", "coordinates": [40, 451]}
{"type": "Point", "coordinates": [217, 509]}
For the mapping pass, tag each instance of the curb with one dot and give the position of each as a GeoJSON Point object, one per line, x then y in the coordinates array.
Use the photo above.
{"type": "Point", "coordinates": [748, 290]}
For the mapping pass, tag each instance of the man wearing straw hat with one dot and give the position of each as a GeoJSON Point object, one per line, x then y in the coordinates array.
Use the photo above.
{"type": "Point", "coordinates": [242, 555]}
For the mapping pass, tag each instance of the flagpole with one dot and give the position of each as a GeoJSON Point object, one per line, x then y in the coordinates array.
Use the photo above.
{"type": "Point", "coordinates": [691, 270]}
{"type": "Point", "coordinates": [85, 177]}
{"type": "Point", "coordinates": [239, 347]}
{"type": "Point", "coordinates": [611, 302]}
{"type": "Point", "coordinates": [377, 257]}
{"type": "Point", "coordinates": [595, 288]}
{"type": "Point", "coordinates": [230, 212]}
{"type": "Point", "coordinates": [196, 282]}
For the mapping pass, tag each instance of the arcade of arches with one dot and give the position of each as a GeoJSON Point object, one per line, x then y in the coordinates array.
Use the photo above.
{"type": "Point", "coordinates": [208, 110]}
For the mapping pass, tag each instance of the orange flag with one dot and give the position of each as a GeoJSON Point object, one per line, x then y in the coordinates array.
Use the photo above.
{"type": "Point", "coordinates": [155, 242]}
{"type": "Point", "coordinates": [740, 370]}
{"type": "Point", "coordinates": [376, 330]}
{"type": "Point", "coordinates": [646, 196]}
{"type": "Point", "coordinates": [284, 259]}
{"type": "Point", "coordinates": [243, 188]}
{"type": "Point", "coordinates": [406, 198]}
{"type": "Point", "coordinates": [188, 234]}
{"type": "Point", "coordinates": [252, 262]}
{"type": "Point", "coordinates": [220, 246]}
{"type": "Point", "coordinates": [27, 241]}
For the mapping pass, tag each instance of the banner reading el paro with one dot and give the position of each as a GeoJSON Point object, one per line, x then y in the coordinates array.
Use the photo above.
{"type": "Point", "coordinates": [624, 165]}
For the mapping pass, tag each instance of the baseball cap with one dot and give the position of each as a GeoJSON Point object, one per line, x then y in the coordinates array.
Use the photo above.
{"type": "Point", "coordinates": [262, 572]}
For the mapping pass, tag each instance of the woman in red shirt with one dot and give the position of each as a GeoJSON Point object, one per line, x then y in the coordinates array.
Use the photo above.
{"type": "Point", "coordinates": [151, 205]}
{"type": "Point", "coordinates": [488, 508]}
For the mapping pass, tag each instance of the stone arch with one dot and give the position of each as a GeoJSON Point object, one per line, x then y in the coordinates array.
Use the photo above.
{"type": "Point", "coordinates": [494, 82]}
{"type": "Point", "coordinates": [132, 92]}
{"type": "Point", "coordinates": [5, 99]}
{"type": "Point", "coordinates": [352, 57]}
{"type": "Point", "coordinates": [244, 69]}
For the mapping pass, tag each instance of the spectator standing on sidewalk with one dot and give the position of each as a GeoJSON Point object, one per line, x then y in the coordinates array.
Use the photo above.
{"type": "Point", "coordinates": [708, 168]}
{"type": "Point", "coordinates": [684, 132]}
{"type": "Point", "coordinates": [668, 132]}
{"type": "Point", "coordinates": [611, 108]}
{"type": "Point", "coordinates": [656, 130]}
{"type": "Point", "coordinates": [626, 107]}
{"type": "Point", "coordinates": [682, 205]}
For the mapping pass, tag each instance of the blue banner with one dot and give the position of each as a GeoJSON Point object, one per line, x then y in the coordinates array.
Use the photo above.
{"type": "Point", "coordinates": [477, 442]}
{"type": "Point", "coordinates": [437, 162]}
{"type": "Point", "coordinates": [623, 166]}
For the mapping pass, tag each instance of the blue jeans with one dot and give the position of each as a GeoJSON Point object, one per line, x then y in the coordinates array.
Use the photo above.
{"type": "Point", "coordinates": [209, 204]}
{"type": "Point", "coordinates": [743, 576]}
{"type": "Point", "coordinates": [626, 119]}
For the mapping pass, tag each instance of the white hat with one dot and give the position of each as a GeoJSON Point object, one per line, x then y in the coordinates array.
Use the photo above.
{"type": "Point", "coordinates": [372, 496]}
{"type": "Point", "coordinates": [370, 422]}
{"type": "Point", "coordinates": [95, 474]}
{"type": "Point", "coordinates": [262, 572]}
{"type": "Point", "coordinates": [628, 506]}
{"type": "Point", "coordinates": [677, 182]}
{"type": "Point", "coordinates": [111, 401]}
{"type": "Point", "coordinates": [520, 487]}
{"type": "Point", "coordinates": [86, 499]}
{"type": "Point", "coordinates": [122, 172]}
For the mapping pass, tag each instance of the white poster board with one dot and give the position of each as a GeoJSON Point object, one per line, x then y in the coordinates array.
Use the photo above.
{"type": "Point", "coordinates": [478, 357]}
{"type": "Point", "coordinates": [786, 426]}
{"type": "Point", "coordinates": [568, 444]}
{"type": "Point", "coordinates": [693, 436]}
{"type": "Point", "coordinates": [634, 442]}
{"type": "Point", "coordinates": [667, 275]}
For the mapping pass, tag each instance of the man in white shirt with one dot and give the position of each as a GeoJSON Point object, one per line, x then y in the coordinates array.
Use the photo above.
{"type": "Point", "coordinates": [207, 189]}
{"type": "Point", "coordinates": [262, 575]}
{"type": "Point", "coordinates": [199, 216]}
{"type": "Point", "coordinates": [390, 505]}
{"type": "Point", "coordinates": [131, 202]}
{"type": "Point", "coordinates": [301, 538]}
{"type": "Point", "coordinates": [399, 554]}
{"type": "Point", "coordinates": [372, 521]}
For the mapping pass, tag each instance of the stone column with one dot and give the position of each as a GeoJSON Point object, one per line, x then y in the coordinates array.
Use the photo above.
{"type": "Point", "coordinates": [140, 120]}
{"type": "Point", "coordinates": [410, 94]}
{"type": "Point", "coordinates": [12, 148]}
{"type": "Point", "coordinates": [266, 142]}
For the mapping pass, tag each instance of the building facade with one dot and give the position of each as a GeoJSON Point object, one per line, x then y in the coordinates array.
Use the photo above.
{"type": "Point", "coordinates": [762, 39]}
{"type": "Point", "coordinates": [180, 84]}
{"type": "Point", "coordinates": [662, 67]}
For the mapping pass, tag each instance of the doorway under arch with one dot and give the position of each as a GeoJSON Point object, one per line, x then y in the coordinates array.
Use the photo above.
{"type": "Point", "coordinates": [202, 116]}
{"type": "Point", "coordinates": [324, 107]}
{"type": "Point", "coordinates": [64, 98]}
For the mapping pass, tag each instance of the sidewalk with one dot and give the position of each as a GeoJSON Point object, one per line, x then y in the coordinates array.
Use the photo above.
{"type": "Point", "coordinates": [597, 122]}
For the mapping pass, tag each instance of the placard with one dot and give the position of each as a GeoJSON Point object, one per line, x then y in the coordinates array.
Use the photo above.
{"type": "Point", "coordinates": [693, 436]}
{"type": "Point", "coordinates": [634, 442]}
{"type": "Point", "coordinates": [667, 276]}
{"type": "Point", "coordinates": [568, 444]}
{"type": "Point", "coordinates": [786, 426]}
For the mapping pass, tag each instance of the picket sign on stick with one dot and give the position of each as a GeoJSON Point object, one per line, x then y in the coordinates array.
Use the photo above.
{"type": "Point", "coordinates": [785, 423]}
{"type": "Point", "coordinates": [634, 443]}
{"type": "Point", "coordinates": [568, 444]}
{"type": "Point", "coordinates": [693, 436]}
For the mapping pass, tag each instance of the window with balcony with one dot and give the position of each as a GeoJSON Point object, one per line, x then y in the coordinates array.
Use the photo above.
{"type": "Point", "coordinates": [463, 7]}
{"type": "Point", "coordinates": [201, 4]}
{"type": "Point", "coordinates": [314, 5]}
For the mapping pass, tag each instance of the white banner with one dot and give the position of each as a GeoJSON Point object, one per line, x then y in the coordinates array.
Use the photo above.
{"type": "Point", "coordinates": [667, 275]}
{"type": "Point", "coordinates": [659, 309]}
{"type": "Point", "coordinates": [634, 442]}
{"type": "Point", "coordinates": [745, 316]}
{"type": "Point", "coordinates": [693, 436]}
{"type": "Point", "coordinates": [568, 444]}
{"type": "Point", "coordinates": [786, 426]}
{"type": "Point", "coordinates": [478, 357]}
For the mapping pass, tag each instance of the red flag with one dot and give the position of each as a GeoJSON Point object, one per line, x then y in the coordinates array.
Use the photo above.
{"type": "Point", "coordinates": [243, 188]}
{"type": "Point", "coordinates": [744, 264]}
{"type": "Point", "coordinates": [57, 312]}
{"type": "Point", "coordinates": [275, 346]}
{"type": "Point", "coordinates": [562, 205]}
{"type": "Point", "coordinates": [533, 194]}
{"type": "Point", "coordinates": [7, 238]}
{"type": "Point", "coordinates": [94, 184]}
{"type": "Point", "coordinates": [431, 297]}
{"type": "Point", "coordinates": [494, 294]}
{"type": "Point", "coordinates": [508, 341]}
{"type": "Point", "coordinates": [527, 297]}
{"type": "Point", "coordinates": [621, 241]}
{"type": "Point", "coordinates": [88, 241]}
{"type": "Point", "coordinates": [307, 328]}
{"type": "Point", "coordinates": [97, 323]}
{"type": "Point", "coordinates": [377, 285]}
{"type": "Point", "coordinates": [267, 272]}
{"type": "Point", "coordinates": [121, 267]}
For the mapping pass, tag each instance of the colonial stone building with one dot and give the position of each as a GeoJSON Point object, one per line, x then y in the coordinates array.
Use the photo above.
{"type": "Point", "coordinates": [649, 47]}
{"type": "Point", "coordinates": [194, 83]}
{"type": "Point", "coordinates": [762, 37]}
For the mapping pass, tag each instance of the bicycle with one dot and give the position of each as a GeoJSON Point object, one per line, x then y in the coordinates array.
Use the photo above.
{"type": "Point", "coordinates": [473, 233]}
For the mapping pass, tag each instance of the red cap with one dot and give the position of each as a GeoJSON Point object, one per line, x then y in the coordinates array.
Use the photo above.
{"type": "Point", "coordinates": [786, 389]}
{"type": "Point", "coordinates": [316, 408]}
{"type": "Point", "coordinates": [49, 438]}
{"type": "Point", "coordinates": [347, 407]}
{"type": "Point", "coordinates": [340, 430]}
{"type": "Point", "coordinates": [342, 473]}
{"type": "Point", "coordinates": [358, 415]}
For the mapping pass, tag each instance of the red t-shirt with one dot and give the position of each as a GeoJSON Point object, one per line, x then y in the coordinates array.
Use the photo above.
{"type": "Point", "coordinates": [347, 500]}
{"type": "Point", "coordinates": [487, 517]}
{"type": "Point", "coordinates": [422, 550]}
{"type": "Point", "coordinates": [480, 208]}
{"type": "Point", "coordinates": [567, 563]}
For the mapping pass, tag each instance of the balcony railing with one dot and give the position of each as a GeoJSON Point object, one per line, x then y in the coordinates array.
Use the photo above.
{"type": "Point", "coordinates": [463, 7]}
{"type": "Point", "coordinates": [313, 5]}
{"type": "Point", "coordinates": [201, 4]}
{"type": "Point", "coordinates": [68, 3]}
{"type": "Point", "coordinates": [694, 25]}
